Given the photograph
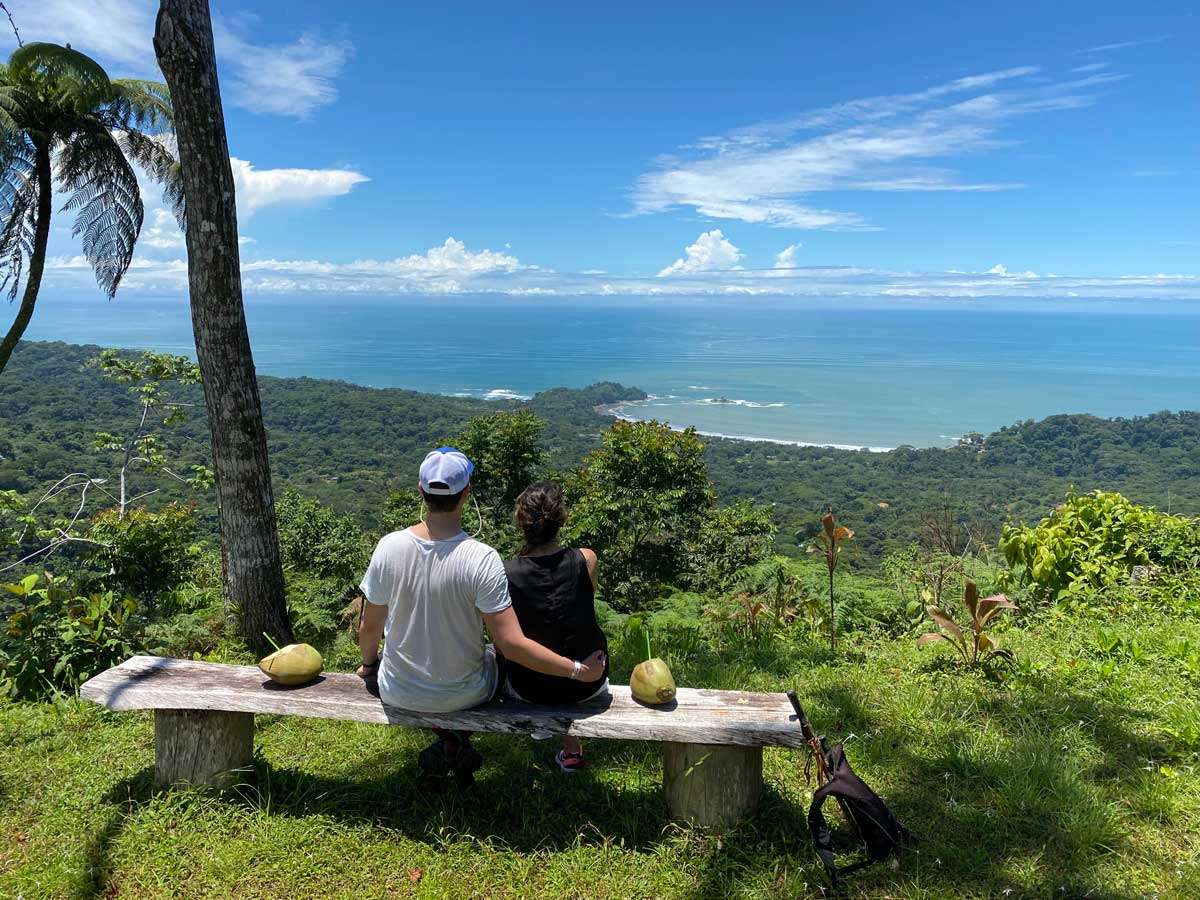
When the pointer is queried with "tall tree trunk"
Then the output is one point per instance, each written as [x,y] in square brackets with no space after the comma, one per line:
[252,569]
[37,261]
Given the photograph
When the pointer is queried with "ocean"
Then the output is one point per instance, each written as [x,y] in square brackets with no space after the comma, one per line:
[834,372]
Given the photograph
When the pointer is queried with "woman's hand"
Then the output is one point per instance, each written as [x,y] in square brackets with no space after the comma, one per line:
[592,668]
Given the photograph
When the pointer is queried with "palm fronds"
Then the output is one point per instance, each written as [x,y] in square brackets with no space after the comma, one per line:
[108,203]
[97,130]
[18,206]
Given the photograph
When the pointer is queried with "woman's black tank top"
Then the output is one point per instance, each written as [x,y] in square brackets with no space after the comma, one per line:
[554,601]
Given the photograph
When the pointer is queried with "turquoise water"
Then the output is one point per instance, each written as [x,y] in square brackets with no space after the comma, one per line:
[790,370]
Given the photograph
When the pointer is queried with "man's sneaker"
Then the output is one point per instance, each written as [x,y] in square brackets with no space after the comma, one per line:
[570,762]
[451,753]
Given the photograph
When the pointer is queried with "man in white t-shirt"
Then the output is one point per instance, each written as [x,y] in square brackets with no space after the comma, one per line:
[429,591]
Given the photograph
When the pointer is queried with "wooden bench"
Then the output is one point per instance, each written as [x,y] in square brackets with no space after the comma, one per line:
[204,726]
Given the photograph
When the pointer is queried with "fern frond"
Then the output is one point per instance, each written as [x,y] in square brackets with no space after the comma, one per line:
[104,192]
[141,105]
[18,209]
[155,156]
[75,80]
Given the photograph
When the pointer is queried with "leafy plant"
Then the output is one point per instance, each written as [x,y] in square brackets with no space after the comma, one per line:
[730,539]
[1094,541]
[146,554]
[150,379]
[315,540]
[54,639]
[976,647]
[637,502]
[829,542]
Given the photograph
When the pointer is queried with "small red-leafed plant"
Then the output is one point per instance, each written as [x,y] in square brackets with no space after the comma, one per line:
[829,543]
[973,643]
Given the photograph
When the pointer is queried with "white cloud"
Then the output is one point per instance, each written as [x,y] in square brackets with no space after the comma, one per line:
[786,258]
[119,31]
[1121,45]
[284,79]
[291,78]
[257,188]
[767,173]
[711,252]
[452,268]
[160,230]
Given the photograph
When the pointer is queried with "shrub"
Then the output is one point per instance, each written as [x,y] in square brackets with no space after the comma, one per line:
[637,502]
[317,541]
[730,539]
[1093,541]
[146,554]
[54,639]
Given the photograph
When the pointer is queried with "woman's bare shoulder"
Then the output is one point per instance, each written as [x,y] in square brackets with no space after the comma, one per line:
[589,556]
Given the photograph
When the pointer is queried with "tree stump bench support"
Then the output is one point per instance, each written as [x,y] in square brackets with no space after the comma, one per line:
[204,726]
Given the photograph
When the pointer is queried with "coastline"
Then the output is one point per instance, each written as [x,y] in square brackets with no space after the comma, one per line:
[615,411]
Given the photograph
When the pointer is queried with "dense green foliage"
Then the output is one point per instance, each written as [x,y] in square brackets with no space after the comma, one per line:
[351,446]
[1095,540]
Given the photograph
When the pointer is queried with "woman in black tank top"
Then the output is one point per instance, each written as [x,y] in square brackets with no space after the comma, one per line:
[553,593]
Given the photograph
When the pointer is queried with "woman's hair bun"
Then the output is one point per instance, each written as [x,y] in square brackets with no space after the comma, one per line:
[540,513]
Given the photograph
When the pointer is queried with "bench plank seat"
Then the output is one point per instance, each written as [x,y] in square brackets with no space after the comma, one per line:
[204,726]
[696,717]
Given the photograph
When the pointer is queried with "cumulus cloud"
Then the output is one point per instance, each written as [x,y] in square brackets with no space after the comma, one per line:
[291,78]
[769,173]
[257,188]
[447,268]
[711,252]
[786,258]
[452,268]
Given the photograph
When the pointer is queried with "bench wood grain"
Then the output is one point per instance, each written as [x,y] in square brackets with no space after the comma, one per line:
[709,719]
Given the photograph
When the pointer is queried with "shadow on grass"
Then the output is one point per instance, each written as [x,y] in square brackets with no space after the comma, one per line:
[519,799]
[1016,810]
[121,802]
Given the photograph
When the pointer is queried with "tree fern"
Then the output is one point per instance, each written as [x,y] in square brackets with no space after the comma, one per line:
[57,103]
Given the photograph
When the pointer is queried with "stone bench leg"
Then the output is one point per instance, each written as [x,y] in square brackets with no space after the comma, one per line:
[711,785]
[201,748]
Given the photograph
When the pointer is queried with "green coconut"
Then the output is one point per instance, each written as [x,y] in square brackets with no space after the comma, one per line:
[293,664]
[651,682]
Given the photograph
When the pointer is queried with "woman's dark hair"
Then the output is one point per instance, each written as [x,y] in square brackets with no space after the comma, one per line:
[540,513]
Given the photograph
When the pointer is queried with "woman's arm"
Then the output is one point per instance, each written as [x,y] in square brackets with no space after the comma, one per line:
[589,557]
[506,631]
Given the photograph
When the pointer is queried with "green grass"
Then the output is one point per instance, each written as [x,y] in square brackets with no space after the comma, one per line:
[1073,778]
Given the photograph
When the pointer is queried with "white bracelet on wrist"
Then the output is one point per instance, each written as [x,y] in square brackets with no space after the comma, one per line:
[576,671]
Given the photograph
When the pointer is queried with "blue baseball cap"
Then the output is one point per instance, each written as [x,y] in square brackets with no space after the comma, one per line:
[446,471]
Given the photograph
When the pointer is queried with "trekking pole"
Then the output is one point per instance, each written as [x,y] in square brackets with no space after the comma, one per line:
[816,748]
[820,752]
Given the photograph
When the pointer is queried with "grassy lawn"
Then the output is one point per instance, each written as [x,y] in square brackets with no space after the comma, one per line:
[1073,778]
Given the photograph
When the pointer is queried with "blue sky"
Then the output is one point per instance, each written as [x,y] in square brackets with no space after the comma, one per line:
[1021,149]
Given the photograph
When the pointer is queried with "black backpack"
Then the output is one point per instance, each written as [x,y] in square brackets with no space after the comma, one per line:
[880,830]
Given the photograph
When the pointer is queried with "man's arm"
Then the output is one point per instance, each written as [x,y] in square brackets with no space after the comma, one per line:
[512,642]
[370,633]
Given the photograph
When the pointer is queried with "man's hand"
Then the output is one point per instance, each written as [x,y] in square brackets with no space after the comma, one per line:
[593,667]
[365,671]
